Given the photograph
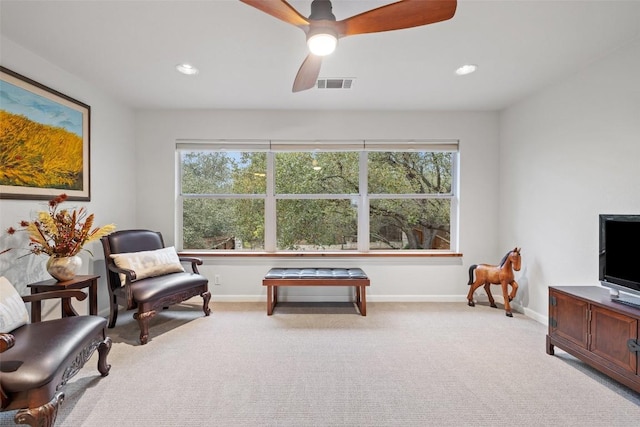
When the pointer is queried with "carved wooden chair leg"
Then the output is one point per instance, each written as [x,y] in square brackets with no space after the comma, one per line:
[206,296]
[103,350]
[143,323]
[113,312]
[42,416]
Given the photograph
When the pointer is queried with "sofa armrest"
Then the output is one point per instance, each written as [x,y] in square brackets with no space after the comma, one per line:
[194,262]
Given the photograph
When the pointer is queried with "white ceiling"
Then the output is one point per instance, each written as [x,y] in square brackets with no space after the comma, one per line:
[248,60]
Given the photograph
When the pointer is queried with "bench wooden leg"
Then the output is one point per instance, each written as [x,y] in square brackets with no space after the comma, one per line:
[272,298]
[361,298]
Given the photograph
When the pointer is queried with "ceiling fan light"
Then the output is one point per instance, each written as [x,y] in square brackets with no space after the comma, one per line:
[322,44]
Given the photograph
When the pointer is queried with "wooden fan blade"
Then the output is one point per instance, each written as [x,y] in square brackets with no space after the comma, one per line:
[395,16]
[308,73]
[279,9]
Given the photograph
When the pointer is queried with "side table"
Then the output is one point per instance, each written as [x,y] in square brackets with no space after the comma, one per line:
[78,282]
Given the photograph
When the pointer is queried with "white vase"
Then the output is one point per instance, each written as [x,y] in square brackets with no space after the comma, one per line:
[64,268]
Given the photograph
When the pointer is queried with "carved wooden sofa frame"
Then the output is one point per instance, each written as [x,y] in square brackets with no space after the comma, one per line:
[150,294]
[39,358]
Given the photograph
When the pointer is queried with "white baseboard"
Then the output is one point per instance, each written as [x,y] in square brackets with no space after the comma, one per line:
[341,298]
[382,298]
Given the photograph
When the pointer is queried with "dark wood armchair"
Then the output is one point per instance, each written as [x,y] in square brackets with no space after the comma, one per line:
[38,358]
[149,276]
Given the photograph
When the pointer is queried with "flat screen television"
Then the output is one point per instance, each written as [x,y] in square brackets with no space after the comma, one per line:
[619,259]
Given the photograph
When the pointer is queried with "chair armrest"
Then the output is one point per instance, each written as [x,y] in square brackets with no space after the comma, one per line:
[191,259]
[36,300]
[6,342]
[130,274]
[194,262]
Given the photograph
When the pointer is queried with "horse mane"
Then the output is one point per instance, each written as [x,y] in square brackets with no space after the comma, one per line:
[504,258]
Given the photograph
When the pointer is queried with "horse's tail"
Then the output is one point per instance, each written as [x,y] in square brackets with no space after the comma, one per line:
[471,269]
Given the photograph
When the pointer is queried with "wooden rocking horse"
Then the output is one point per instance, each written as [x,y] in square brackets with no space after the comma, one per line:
[502,274]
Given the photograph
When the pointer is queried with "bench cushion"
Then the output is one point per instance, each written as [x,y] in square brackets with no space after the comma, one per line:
[315,273]
[39,352]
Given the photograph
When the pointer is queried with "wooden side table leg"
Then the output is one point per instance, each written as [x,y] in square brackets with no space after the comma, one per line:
[36,308]
[363,301]
[93,297]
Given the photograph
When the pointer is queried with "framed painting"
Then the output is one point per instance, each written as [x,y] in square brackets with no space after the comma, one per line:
[44,141]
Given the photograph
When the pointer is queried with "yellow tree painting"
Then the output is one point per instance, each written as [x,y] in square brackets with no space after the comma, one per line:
[44,141]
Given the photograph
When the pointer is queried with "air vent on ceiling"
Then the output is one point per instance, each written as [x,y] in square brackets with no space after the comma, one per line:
[342,83]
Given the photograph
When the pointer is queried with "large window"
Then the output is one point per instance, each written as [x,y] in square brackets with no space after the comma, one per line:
[330,196]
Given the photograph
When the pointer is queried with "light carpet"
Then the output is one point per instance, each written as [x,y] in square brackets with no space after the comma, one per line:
[404,364]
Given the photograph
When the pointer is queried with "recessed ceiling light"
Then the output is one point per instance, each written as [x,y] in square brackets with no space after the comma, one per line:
[187,69]
[466,69]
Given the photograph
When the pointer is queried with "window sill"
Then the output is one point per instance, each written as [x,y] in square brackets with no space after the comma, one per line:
[345,254]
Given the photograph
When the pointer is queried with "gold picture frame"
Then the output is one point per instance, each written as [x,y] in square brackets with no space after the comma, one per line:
[44,141]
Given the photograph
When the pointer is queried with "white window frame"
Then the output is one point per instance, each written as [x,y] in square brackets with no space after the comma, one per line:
[270,197]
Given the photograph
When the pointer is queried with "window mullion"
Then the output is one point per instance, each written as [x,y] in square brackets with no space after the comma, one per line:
[270,206]
[363,204]
[179,212]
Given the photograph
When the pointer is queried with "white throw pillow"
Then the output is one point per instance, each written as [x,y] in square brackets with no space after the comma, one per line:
[13,312]
[149,263]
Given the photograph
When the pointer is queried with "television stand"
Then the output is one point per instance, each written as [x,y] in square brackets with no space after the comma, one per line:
[586,323]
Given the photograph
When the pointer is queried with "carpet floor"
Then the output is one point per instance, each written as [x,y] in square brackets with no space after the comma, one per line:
[316,364]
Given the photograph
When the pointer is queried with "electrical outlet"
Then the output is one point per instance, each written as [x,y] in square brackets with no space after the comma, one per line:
[216,279]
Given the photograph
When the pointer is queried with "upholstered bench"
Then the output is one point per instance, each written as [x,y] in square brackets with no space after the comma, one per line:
[316,277]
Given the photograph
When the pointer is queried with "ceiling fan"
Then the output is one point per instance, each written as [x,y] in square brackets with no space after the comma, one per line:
[322,28]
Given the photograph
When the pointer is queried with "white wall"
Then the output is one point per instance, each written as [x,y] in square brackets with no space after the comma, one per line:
[391,278]
[112,172]
[567,154]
